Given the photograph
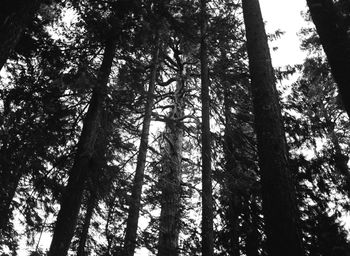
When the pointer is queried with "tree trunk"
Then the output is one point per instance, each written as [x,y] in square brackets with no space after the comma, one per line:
[135,200]
[231,170]
[170,180]
[14,17]
[207,200]
[334,38]
[67,216]
[252,239]
[88,216]
[279,203]
[9,181]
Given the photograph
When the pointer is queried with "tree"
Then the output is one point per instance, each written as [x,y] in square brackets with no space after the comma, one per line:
[279,203]
[67,216]
[135,202]
[170,178]
[333,32]
[207,200]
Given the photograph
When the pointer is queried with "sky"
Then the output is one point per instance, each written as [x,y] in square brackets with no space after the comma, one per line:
[286,16]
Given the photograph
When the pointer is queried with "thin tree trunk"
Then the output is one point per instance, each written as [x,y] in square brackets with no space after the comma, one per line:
[170,181]
[334,38]
[279,202]
[88,216]
[14,17]
[8,185]
[252,239]
[67,216]
[207,200]
[135,200]
[231,169]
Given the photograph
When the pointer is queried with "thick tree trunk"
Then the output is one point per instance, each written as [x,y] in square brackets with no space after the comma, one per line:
[279,203]
[170,180]
[207,200]
[334,38]
[135,200]
[67,216]
[88,216]
[14,17]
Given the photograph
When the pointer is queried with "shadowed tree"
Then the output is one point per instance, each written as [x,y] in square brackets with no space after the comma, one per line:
[135,201]
[207,197]
[333,32]
[279,203]
[71,201]
[170,180]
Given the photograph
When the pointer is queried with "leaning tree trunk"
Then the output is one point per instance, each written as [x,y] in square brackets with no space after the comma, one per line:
[207,200]
[135,200]
[67,216]
[279,202]
[14,17]
[170,180]
[333,34]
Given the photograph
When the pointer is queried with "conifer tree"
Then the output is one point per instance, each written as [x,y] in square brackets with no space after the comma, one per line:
[278,194]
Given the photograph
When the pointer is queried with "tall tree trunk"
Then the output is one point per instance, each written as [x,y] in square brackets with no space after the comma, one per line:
[279,202]
[207,200]
[135,200]
[170,180]
[231,170]
[67,216]
[90,206]
[14,17]
[334,38]
[97,165]
[9,180]
[252,215]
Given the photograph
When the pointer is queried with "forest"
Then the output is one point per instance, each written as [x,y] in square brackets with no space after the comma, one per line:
[161,127]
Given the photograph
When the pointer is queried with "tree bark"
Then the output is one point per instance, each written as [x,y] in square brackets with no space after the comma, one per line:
[88,216]
[279,202]
[67,216]
[9,181]
[231,170]
[14,17]
[334,38]
[252,239]
[170,180]
[207,200]
[135,200]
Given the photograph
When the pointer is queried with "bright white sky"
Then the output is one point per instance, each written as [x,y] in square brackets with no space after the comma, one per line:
[286,16]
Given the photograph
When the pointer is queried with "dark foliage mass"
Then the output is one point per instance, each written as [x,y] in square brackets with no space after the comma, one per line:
[156,127]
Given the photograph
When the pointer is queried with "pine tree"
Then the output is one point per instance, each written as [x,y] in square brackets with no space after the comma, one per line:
[333,32]
[279,203]
[67,217]
[207,200]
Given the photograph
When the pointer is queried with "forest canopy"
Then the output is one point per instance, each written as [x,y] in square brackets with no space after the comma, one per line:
[161,127]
